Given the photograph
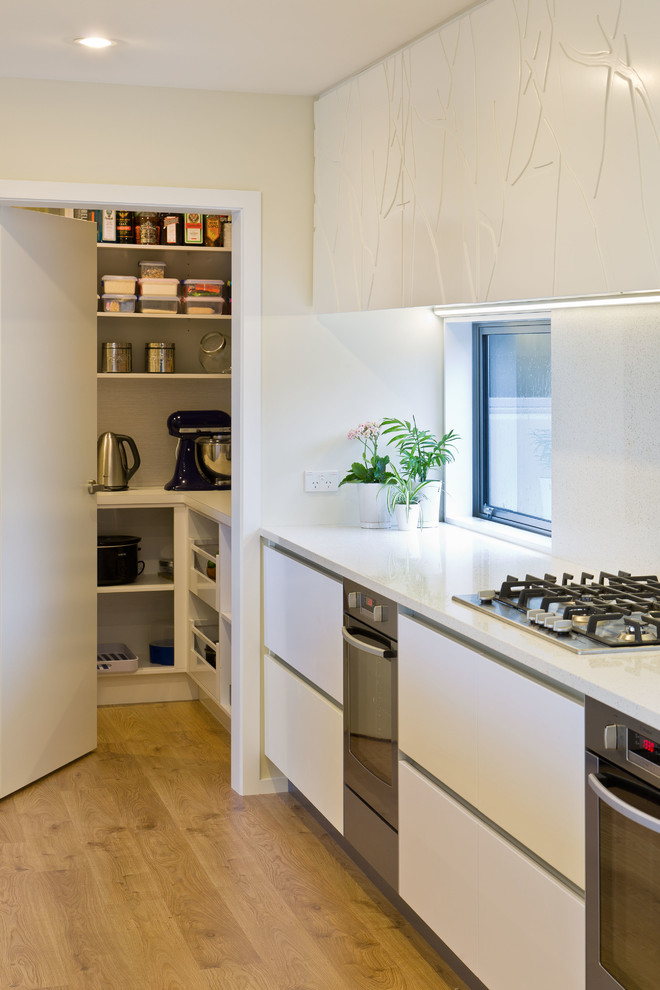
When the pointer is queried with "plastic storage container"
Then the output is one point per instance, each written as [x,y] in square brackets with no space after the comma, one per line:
[202,286]
[159,305]
[119,284]
[112,302]
[202,305]
[161,651]
[158,286]
[115,658]
[152,269]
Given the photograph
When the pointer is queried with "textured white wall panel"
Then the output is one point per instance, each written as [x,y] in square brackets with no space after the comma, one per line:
[513,153]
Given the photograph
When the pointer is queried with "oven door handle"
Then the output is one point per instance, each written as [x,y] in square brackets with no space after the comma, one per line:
[363,643]
[625,809]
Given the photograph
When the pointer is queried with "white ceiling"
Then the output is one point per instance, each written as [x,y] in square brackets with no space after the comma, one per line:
[295,47]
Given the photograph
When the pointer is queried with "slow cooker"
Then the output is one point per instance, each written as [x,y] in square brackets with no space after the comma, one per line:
[117,558]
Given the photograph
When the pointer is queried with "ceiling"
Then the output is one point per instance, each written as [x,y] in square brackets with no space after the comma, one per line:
[293,47]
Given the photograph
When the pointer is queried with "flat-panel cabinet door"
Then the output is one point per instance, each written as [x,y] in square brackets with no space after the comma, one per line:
[303,736]
[531,772]
[303,614]
[438,864]
[437,706]
[531,927]
[47,516]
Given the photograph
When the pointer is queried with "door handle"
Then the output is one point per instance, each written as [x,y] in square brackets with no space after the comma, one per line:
[622,807]
[363,643]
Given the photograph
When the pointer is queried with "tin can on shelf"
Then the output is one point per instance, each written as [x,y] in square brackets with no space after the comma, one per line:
[159,357]
[116,357]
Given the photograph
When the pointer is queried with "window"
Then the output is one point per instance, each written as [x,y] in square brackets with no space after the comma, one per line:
[512,418]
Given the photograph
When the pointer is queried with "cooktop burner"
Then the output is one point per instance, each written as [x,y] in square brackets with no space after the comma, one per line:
[589,615]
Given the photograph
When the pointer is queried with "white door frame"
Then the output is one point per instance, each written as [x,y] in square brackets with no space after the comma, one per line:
[245,207]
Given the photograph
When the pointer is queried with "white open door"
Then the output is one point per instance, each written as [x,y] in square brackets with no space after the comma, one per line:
[47,517]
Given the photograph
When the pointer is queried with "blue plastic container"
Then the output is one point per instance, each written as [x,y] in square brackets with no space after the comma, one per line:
[161,651]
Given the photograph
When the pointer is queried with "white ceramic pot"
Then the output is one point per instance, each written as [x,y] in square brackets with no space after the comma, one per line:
[431,504]
[374,513]
[407,517]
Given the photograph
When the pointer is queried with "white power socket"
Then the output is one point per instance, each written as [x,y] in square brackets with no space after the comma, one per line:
[321,481]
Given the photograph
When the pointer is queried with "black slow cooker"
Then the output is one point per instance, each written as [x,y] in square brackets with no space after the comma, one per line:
[118,559]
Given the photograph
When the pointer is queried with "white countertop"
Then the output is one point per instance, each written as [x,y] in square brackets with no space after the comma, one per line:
[216,505]
[422,570]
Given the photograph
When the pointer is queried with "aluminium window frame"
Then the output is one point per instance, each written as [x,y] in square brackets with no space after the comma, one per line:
[481,508]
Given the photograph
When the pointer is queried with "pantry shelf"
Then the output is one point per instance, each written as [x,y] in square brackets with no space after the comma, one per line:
[167,316]
[134,375]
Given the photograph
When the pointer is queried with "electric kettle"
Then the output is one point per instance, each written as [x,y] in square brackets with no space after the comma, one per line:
[112,468]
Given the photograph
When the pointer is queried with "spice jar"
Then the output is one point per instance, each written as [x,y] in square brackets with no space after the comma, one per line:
[147,228]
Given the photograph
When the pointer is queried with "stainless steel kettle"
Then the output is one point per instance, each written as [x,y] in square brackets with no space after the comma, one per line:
[112,468]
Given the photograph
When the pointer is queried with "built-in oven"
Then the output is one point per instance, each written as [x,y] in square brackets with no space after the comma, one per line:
[371,793]
[623,851]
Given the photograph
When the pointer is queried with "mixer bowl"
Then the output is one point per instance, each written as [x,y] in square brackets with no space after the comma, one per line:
[214,459]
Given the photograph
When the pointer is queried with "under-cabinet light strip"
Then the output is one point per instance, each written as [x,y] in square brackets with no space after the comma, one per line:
[536,305]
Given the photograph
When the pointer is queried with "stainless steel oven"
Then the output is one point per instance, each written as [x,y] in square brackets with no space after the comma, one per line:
[371,793]
[623,851]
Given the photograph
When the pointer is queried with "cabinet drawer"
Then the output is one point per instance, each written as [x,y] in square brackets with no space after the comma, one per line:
[438,862]
[509,921]
[303,619]
[304,739]
[437,706]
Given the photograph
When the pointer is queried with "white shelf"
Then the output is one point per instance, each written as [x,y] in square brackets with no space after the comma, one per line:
[144,375]
[167,316]
[145,582]
[114,246]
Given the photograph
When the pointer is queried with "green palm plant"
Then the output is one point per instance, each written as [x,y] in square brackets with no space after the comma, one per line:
[419,450]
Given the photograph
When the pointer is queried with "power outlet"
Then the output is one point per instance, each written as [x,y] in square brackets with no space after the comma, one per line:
[321,481]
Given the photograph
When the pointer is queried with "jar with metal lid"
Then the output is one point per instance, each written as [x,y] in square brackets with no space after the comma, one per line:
[215,353]
[159,357]
[147,228]
[116,357]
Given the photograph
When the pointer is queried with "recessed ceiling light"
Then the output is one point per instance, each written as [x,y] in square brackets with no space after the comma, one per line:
[95,42]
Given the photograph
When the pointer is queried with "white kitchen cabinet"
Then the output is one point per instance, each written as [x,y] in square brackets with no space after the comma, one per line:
[47,517]
[208,577]
[530,742]
[437,710]
[438,863]
[303,737]
[512,924]
[303,619]
[507,744]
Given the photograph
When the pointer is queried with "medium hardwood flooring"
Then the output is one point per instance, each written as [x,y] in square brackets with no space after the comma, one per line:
[138,868]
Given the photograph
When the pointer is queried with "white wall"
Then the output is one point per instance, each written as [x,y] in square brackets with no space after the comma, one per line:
[606,436]
[324,376]
[165,137]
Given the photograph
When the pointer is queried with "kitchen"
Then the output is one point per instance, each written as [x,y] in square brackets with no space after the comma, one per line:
[353,349]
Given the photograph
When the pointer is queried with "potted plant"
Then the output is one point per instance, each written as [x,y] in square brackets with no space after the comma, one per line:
[405,495]
[422,455]
[369,473]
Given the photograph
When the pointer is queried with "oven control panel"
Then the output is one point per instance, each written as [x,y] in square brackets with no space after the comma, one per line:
[371,608]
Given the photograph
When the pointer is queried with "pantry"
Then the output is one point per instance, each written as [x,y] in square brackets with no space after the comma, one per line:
[187,598]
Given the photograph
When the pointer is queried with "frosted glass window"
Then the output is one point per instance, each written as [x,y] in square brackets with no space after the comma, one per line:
[513,424]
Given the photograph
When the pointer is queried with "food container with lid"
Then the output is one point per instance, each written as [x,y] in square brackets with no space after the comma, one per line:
[114,302]
[119,284]
[158,286]
[158,305]
[202,286]
[161,651]
[202,305]
[152,269]
[159,357]
[116,357]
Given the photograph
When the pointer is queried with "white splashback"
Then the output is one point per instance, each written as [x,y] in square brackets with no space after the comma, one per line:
[512,153]
[606,436]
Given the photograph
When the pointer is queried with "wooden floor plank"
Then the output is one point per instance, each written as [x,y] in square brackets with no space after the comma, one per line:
[138,868]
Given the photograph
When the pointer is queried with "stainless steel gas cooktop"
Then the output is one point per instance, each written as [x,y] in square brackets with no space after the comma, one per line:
[613,612]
